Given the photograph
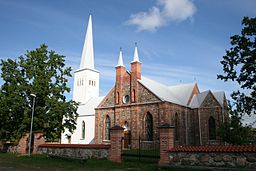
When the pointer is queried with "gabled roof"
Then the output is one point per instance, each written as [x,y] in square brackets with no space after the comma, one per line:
[198,99]
[175,94]
[89,107]
[219,95]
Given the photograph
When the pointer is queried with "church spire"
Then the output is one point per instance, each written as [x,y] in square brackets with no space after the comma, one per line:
[135,56]
[88,52]
[120,59]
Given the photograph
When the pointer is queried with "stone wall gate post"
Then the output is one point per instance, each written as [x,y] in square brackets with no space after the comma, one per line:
[23,144]
[166,142]
[38,140]
[116,134]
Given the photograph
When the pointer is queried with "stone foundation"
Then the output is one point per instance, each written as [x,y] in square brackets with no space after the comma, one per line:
[90,151]
[229,156]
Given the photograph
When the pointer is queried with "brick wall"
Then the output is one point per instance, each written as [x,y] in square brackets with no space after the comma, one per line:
[192,124]
[22,146]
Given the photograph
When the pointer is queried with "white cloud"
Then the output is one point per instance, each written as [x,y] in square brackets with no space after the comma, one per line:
[164,12]
[147,20]
[178,10]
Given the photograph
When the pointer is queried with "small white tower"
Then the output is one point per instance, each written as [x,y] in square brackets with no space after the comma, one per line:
[86,78]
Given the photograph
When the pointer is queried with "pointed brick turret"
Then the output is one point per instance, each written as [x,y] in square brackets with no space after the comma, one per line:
[120,59]
[136,64]
[135,56]
[120,72]
[135,75]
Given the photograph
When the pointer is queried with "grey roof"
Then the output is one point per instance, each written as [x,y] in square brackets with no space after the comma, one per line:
[182,91]
[178,94]
[198,99]
[89,107]
[220,96]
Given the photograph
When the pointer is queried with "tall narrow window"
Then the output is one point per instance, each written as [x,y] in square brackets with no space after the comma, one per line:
[212,128]
[117,97]
[83,130]
[133,95]
[176,127]
[107,127]
[149,127]
[89,82]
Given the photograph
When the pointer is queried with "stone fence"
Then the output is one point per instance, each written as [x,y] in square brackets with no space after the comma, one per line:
[21,147]
[170,155]
[78,151]
[214,156]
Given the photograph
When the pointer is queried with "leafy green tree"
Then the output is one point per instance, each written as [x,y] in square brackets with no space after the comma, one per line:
[12,101]
[41,72]
[233,131]
[239,65]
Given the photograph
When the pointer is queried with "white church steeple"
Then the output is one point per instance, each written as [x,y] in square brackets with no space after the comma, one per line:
[135,56]
[120,59]
[86,78]
[87,60]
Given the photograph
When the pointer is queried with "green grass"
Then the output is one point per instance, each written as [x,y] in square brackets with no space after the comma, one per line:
[143,156]
[10,162]
[153,153]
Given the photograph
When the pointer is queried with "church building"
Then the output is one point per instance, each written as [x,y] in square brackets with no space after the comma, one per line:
[141,105]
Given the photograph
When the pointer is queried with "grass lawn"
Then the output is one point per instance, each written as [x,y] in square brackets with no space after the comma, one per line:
[13,162]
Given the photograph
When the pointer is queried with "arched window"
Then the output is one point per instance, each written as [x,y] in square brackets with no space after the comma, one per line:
[117,97]
[107,127]
[149,127]
[212,128]
[133,95]
[176,122]
[83,130]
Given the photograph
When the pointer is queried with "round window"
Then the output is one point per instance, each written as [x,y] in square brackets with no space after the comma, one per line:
[126,99]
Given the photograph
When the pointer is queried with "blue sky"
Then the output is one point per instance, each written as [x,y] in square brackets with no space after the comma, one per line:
[178,40]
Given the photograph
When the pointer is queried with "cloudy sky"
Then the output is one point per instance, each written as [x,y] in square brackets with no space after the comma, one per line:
[179,41]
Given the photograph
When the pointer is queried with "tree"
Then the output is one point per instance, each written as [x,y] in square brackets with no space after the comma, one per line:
[239,65]
[233,131]
[41,72]
[12,102]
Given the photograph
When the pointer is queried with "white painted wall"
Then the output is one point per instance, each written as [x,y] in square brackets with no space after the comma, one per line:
[76,137]
[83,90]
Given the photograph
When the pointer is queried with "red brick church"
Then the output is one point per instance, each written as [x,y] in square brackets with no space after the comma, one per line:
[140,105]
